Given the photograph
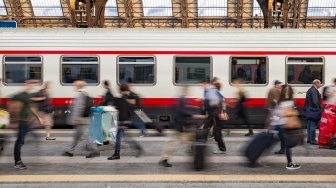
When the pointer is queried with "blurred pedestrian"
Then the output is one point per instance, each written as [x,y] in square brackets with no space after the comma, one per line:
[278,121]
[78,120]
[313,110]
[182,136]
[45,108]
[24,120]
[330,93]
[108,97]
[214,103]
[124,122]
[240,105]
[273,97]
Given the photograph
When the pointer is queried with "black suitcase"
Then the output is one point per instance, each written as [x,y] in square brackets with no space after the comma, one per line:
[199,148]
[259,144]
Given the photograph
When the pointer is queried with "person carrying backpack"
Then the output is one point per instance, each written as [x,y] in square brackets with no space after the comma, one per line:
[25,109]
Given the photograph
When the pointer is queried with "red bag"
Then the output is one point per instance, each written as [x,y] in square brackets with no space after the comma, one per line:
[327,125]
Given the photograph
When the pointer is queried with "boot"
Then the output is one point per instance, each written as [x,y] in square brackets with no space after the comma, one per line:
[250,133]
[115,156]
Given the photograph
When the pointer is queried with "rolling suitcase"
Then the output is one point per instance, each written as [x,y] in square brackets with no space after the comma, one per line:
[259,144]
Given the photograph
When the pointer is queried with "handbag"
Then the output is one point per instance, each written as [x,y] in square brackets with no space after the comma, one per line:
[223,116]
[294,137]
[143,116]
[313,114]
[293,122]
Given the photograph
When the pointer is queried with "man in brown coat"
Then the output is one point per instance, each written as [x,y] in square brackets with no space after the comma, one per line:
[272,99]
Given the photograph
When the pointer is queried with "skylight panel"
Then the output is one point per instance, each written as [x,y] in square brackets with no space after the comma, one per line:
[157,7]
[321,8]
[212,7]
[111,8]
[257,12]
[47,8]
[3,11]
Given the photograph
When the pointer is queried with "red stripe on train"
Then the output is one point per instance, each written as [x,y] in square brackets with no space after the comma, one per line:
[168,52]
[166,102]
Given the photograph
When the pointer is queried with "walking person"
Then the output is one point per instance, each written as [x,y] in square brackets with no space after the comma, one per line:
[273,97]
[278,121]
[240,106]
[330,93]
[24,120]
[78,120]
[124,121]
[214,103]
[181,136]
[108,96]
[44,106]
[313,110]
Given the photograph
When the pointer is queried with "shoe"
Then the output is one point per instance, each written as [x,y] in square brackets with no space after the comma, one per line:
[314,142]
[140,151]
[93,155]
[50,138]
[20,165]
[68,154]
[218,151]
[114,157]
[293,166]
[106,142]
[165,163]
[249,134]
[280,152]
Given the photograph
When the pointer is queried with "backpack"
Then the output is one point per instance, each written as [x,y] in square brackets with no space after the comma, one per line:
[88,104]
[14,108]
[324,91]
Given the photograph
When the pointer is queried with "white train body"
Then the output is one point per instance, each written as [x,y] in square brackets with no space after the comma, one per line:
[164,45]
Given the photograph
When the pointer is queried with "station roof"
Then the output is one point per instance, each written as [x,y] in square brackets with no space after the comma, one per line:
[172,13]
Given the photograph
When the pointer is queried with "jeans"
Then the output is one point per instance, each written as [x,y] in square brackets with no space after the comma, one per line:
[23,129]
[282,135]
[214,121]
[311,130]
[122,133]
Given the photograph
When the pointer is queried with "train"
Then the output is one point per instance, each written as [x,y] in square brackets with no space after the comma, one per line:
[156,63]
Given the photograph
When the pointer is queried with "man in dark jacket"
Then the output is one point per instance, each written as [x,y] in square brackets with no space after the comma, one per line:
[108,97]
[312,105]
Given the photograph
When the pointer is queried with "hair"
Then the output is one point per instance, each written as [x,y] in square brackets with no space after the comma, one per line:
[286,93]
[335,80]
[124,87]
[214,80]
[316,81]
[218,85]
[106,83]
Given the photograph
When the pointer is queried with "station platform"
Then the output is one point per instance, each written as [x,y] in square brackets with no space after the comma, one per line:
[48,168]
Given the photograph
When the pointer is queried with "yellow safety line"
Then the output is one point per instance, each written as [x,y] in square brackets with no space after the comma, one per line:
[167,178]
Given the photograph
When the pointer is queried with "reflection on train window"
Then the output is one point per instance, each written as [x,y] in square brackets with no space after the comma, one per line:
[303,70]
[251,70]
[85,68]
[136,70]
[17,69]
[192,70]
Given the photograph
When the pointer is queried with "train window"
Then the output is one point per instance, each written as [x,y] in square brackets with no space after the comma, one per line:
[136,70]
[251,70]
[76,67]
[17,69]
[303,70]
[192,70]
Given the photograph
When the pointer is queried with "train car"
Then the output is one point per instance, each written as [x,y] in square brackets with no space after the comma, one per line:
[157,62]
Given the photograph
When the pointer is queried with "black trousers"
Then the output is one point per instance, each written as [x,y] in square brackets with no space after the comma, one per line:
[213,121]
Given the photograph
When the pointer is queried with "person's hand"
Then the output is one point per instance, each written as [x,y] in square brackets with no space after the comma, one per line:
[199,116]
